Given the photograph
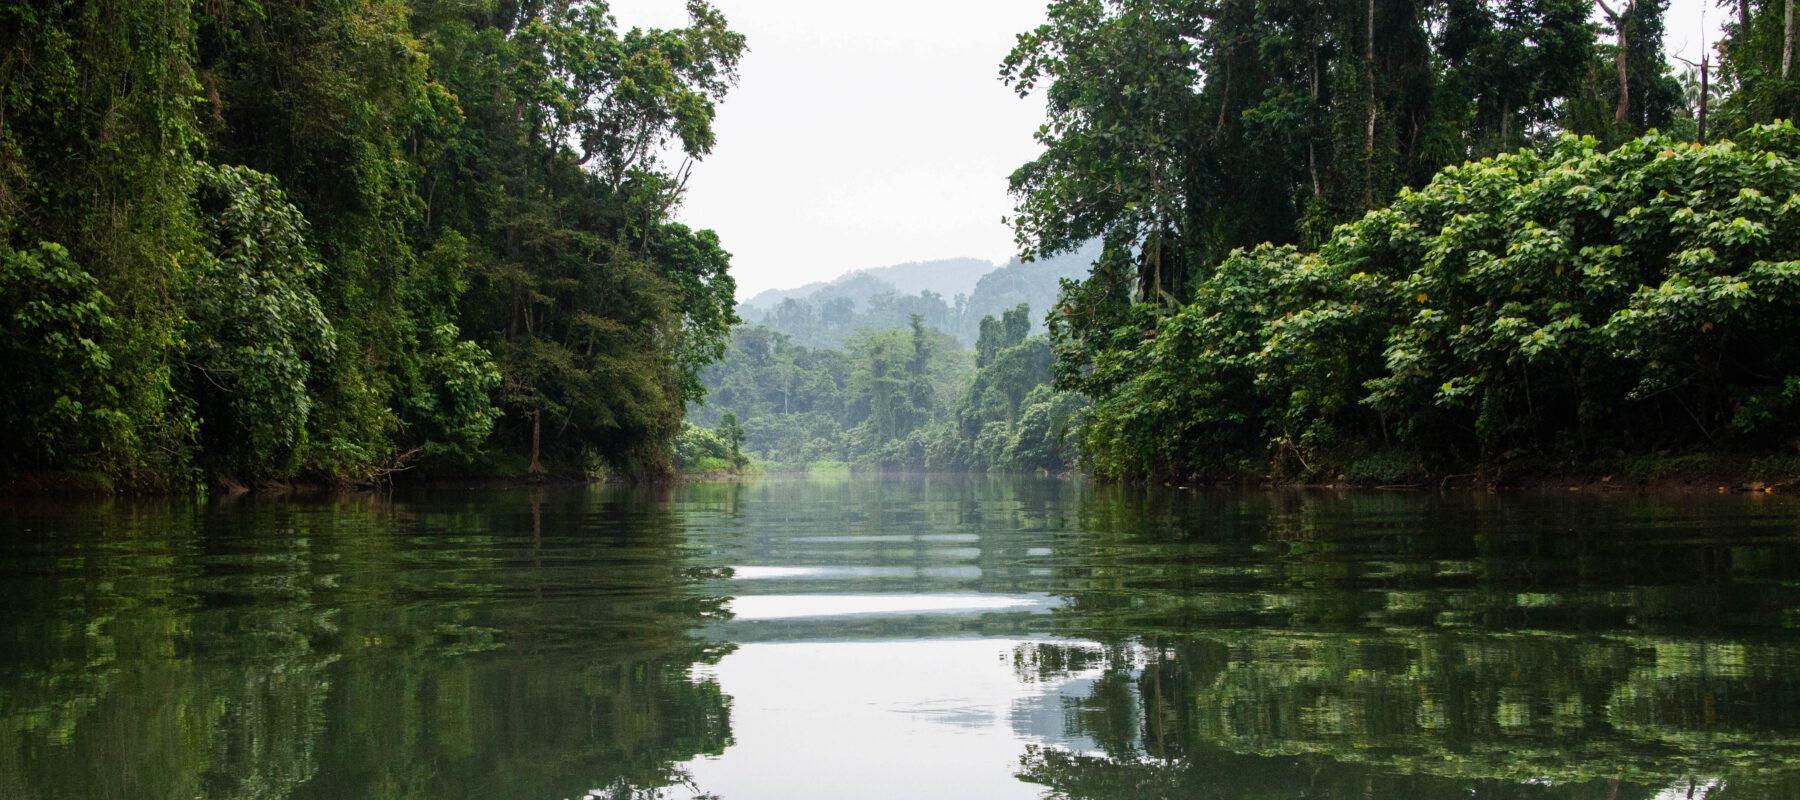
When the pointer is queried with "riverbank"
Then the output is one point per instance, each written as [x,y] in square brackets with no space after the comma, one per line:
[1652,474]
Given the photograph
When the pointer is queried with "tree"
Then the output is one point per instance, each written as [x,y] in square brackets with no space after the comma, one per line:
[1577,303]
[586,287]
[1757,62]
[1178,131]
[319,239]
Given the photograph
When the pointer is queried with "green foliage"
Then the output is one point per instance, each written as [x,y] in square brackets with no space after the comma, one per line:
[96,143]
[1178,131]
[1383,467]
[1572,304]
[456,396]
[793,401]
[1044,437]
[1750,66]
[55,320]
[698,270]
[711,450]
[902,384]
[255,334]
[899,399]
[435,215]
[596,310]
[1643,296]
[1180,134]
[1009,417]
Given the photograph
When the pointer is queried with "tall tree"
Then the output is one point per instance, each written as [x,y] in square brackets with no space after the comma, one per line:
[98,141]
[304,239]
[1622,22]
[1757,61]
[1180,130]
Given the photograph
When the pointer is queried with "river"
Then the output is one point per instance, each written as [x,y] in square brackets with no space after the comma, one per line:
[923,636]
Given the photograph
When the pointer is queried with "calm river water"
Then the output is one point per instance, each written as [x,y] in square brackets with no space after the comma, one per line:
[904,637]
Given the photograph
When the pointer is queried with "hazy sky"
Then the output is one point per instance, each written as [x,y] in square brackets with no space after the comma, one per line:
[860,134]
[867,134]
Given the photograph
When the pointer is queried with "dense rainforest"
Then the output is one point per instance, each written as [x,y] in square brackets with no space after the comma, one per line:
[1376,238]
[331,241]
[855,373]
[1372,240]
[1389,238]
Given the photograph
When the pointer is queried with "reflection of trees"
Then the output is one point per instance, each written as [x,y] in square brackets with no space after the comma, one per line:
[509,645]
[932,524]
[1218,774]
[125,676]
[1256,646]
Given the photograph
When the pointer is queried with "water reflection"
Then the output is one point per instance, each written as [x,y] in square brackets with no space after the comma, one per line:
[812,606]
[1360,646]
[949,719]
[908,637]
[498,647]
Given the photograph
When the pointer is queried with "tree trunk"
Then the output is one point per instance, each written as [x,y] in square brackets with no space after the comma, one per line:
[1787,41]
[1369,144]
[1224,96]
[1624,109]
[536,429]
[1312,165]
[1704,71]
[1312,158]
[1619,23]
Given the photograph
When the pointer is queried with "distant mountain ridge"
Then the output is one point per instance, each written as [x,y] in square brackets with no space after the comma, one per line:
[951,294]
[948,277]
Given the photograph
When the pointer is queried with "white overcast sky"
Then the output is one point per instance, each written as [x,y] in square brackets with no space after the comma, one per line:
[860,134]
[863,134]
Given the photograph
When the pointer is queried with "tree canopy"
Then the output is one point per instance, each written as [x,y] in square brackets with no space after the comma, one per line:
[334,241]
[1414,235]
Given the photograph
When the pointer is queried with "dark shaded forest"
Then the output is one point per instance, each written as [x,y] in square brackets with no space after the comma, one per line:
[1387,239]
[334,241]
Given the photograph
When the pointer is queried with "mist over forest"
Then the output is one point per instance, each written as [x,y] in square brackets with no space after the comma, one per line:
[953,295]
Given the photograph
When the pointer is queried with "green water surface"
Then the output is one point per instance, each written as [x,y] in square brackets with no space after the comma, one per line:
[931,636]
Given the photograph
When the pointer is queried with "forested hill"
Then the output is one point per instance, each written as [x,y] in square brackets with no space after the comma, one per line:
[952,296]
[910,398]
[332,241]
[948,277]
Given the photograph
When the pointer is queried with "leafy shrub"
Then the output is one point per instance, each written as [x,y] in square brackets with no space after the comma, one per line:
[708,450]
[255,334]
[457,395]
[1578,301]
[1383,466]
[53,322]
